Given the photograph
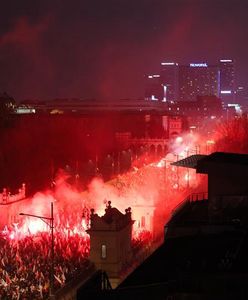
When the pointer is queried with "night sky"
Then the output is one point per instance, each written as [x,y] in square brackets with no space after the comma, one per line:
[102,48]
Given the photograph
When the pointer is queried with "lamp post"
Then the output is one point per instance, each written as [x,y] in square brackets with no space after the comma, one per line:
[50,222]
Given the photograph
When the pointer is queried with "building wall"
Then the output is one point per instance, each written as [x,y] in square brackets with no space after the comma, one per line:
[118,249]
[175,126]
[227,80]
[226,180]
[169,79]
[198,80]
[153,88]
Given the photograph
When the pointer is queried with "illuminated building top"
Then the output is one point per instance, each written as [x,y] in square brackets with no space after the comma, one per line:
[153,76]
[169,64]
[198,65]
[226,60]
[225,92]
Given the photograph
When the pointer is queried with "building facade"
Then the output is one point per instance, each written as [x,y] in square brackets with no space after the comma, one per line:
[154,90]
[198,79]
[227,80]
[169,80]
[177,82]
[110,241]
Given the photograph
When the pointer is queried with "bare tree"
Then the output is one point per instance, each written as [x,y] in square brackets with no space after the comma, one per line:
[232,136]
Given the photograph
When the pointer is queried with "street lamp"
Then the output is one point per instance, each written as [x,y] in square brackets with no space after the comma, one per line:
[49,221]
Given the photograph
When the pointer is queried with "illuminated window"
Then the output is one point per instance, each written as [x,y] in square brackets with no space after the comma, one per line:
[104,251]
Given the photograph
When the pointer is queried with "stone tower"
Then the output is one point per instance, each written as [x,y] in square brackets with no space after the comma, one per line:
[110,241]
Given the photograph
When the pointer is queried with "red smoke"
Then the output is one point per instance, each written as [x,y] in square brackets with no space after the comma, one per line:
[24,34]
[151,191]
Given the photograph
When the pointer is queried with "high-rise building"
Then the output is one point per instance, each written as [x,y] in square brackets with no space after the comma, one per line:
[198,79]
[186,82]
[169,80]
[227,83]
[153,88]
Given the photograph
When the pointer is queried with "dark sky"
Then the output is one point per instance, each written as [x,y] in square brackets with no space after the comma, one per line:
[102,48]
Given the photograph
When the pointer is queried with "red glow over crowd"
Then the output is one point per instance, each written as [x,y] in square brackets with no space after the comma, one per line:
[152,192]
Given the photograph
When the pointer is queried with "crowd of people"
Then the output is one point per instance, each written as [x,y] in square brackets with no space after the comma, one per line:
[25,261]
[25,264]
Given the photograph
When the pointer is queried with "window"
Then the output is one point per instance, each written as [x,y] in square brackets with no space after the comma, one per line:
[104,251]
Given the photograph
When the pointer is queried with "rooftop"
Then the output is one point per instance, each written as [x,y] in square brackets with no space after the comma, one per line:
[226,158]
[189,162]
[112,220]
[195,161]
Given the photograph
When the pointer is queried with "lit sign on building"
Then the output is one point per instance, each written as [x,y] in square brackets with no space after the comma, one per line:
[225,60]
[153,76]
[168,64]
[225,92]
[25,111]
[198,65]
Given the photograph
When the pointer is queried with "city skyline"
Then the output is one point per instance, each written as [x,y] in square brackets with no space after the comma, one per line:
[184,82]
[91,49]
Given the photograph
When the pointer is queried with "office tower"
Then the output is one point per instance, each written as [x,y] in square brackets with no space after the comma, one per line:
[153,88]
[227,85]
[198,79]
[169,80]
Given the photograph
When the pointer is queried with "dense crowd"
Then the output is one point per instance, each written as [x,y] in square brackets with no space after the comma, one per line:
[25,263]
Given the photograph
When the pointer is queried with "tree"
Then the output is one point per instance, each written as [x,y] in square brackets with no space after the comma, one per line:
[232,136]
